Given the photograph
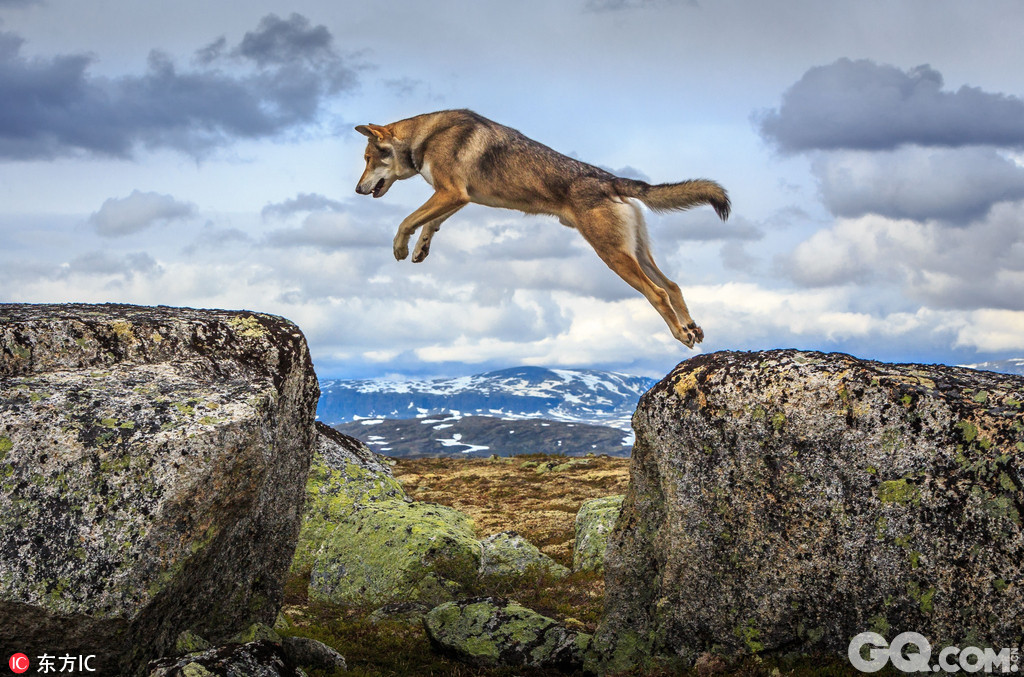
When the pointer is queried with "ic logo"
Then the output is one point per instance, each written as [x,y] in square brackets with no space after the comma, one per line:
[18,663]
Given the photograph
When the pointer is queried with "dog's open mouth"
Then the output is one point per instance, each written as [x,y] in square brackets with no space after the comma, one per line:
[378,188]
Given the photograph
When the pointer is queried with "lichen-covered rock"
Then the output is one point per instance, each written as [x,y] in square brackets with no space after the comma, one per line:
[508,554]
[153,463]
[310,653]
[786,501]
[344,475]
[254,659]
[490,631]
[594,522]
[365,543]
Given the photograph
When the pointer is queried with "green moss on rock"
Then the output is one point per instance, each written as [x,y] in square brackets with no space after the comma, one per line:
[491,631]
[594,522]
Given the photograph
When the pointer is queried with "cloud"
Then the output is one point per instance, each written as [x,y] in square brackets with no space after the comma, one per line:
[275,81]
[303,202]
[104,263]
[620,5]
[704,226]
[863,105]
[139,211]
[943,268]
[956,185]
[328,232]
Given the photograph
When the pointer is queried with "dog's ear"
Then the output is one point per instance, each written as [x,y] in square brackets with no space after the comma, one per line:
[374,132]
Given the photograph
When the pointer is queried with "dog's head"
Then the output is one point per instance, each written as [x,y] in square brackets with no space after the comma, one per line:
[383,167]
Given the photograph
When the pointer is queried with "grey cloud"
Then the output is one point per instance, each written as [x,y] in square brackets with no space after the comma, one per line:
[280,41]
[954,185]
[54,107]
[106,263]
[704,226]
[303,202]
[868,106]
[620,5]
[329,232]
[127,215]
[944,268]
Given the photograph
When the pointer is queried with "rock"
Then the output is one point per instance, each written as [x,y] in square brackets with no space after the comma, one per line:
[594,522]
[152,471]
[401,612]
[507,555]
[785,501]
[309,653]
[343,475]
[190,642]
[255,659]
[490,631]
[365,542]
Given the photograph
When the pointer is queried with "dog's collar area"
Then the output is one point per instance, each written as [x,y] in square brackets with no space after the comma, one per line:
[411,159]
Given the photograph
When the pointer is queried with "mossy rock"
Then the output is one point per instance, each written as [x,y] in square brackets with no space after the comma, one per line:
[594,522]
[491,631]
[783,502]
[365,543]
[152,475]
[509,555]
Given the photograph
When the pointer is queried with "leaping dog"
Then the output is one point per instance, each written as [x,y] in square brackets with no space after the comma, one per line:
[468,158]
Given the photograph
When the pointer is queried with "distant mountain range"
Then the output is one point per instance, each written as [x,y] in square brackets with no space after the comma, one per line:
[1014,365]
[511,411]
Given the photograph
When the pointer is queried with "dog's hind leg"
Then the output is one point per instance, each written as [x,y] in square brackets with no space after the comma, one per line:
[611,233]
[646,261]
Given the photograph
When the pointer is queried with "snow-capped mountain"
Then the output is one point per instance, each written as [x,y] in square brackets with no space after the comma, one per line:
[1014,365]
[568,395]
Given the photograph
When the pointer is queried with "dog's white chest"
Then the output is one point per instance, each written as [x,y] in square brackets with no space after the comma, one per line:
[425,173]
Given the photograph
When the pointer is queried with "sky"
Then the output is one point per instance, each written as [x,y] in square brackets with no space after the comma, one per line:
[203,154]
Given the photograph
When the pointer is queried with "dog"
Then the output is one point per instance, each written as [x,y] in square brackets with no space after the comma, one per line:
[467,158]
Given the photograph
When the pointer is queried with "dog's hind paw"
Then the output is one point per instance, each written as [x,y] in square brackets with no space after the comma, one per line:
[420,253]
[691,335]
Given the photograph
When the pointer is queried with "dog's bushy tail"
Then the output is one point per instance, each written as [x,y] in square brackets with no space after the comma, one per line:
[665,197]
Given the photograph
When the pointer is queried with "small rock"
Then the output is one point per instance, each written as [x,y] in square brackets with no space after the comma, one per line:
[509,554]
[190,642]
[255,659]
[310,653]
[594,522]
[490,631]
[408,612]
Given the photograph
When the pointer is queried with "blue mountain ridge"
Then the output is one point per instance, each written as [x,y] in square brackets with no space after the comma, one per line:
[569,395]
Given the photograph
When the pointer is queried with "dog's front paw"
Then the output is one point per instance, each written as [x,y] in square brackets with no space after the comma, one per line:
[401,250]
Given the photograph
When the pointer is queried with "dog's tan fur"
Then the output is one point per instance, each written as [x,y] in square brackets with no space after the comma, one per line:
[468,158]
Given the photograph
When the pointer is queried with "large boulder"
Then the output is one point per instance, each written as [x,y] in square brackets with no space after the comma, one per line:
[364,542]
[153,464]
[786,501]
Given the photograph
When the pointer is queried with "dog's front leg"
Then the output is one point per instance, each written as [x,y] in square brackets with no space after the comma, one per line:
[441,205]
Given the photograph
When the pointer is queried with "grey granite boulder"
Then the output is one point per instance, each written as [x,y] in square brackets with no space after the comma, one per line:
[594,523]
[491,631]
[785,502]
[153,464]
[508,554]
